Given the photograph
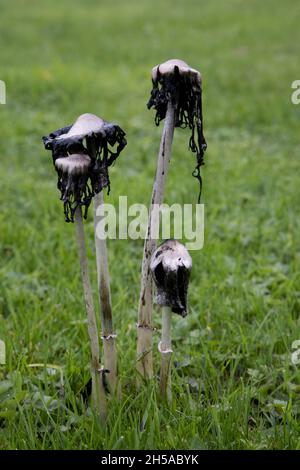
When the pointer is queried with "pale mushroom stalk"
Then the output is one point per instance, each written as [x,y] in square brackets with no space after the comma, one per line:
[108,335]
[145,327]
[98,390]
[165,348]
[170,266]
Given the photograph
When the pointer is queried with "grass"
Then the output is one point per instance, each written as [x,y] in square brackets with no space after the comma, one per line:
[235,386]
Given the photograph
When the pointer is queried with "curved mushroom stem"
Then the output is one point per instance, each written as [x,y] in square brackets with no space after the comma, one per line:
[98,391]
[108,335]
[145,329]
[164,348]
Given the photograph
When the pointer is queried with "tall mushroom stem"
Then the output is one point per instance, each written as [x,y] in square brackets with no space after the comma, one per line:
[165,348]
[98,391]
[108,335]
[145,328]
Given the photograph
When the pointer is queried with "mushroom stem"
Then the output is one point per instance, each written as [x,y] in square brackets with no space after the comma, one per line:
[166,354]
[145,329]
[108,335]
[98,391]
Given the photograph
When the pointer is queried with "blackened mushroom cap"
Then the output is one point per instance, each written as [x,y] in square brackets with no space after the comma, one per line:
[174,81]
[171,265]
[71,139]
[73,176]
[95,138]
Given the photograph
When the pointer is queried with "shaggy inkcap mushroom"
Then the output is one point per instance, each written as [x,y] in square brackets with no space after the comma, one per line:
[171,265]
[174,80]
[78,182]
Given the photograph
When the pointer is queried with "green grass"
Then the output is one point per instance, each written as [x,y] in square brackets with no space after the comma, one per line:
[235,386]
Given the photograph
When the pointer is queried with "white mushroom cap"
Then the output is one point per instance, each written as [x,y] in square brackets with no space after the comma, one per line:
[168,68]
[171,254]
[85,124]
[75,164]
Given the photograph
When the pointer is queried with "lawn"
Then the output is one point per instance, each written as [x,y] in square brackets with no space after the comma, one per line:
[235,385]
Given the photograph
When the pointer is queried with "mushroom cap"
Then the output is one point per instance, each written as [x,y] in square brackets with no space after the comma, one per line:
[171,265]
[86,124]
[171,254]
[75,164]
[168,68]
